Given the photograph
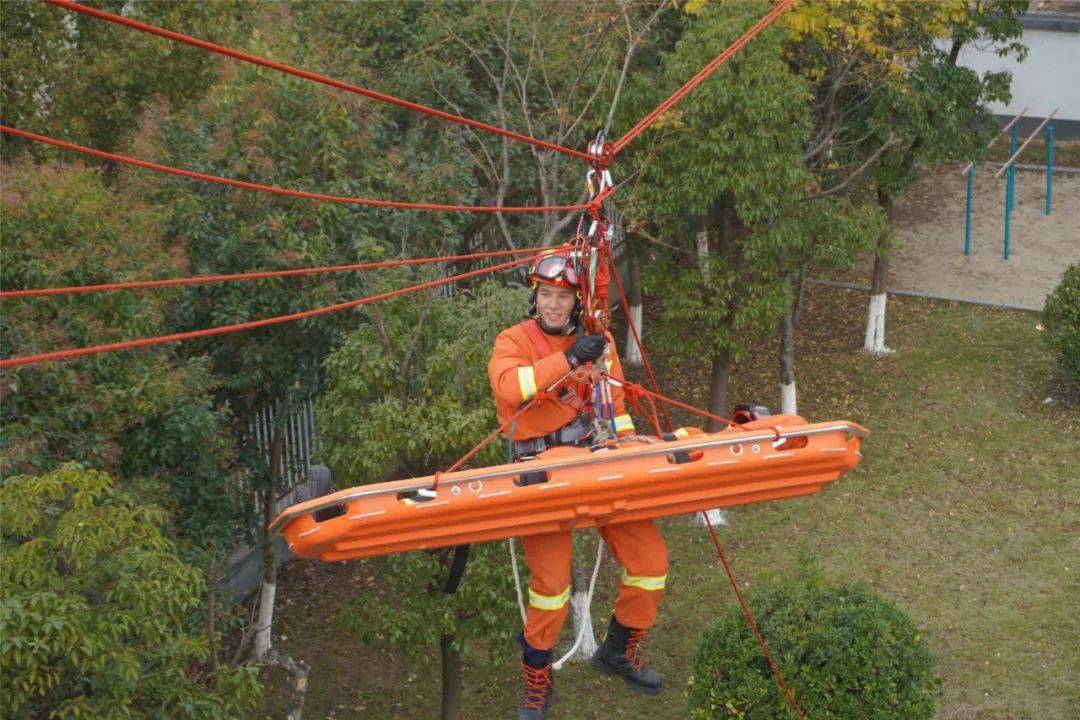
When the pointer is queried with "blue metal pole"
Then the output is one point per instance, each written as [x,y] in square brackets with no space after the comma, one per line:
[1010,190]
[967,211]
[1011,197]
[1049,168]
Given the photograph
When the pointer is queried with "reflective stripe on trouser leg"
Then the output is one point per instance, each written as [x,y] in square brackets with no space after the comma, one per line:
[549,602]
[640,549]
[548,557]
[644,582]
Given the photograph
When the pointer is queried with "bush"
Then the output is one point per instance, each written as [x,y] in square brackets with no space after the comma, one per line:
[98,615]
[1061,316]
[846,653]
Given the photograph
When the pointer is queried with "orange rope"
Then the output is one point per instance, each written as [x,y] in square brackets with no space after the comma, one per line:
[273,190]
[221,330]
[322,79]
[212,279]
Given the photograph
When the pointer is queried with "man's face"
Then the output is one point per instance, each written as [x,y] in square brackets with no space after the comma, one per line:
[554,304]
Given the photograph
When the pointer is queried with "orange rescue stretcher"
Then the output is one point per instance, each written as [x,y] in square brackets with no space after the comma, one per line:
[566,488]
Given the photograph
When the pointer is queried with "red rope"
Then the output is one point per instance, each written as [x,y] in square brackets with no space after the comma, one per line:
[753,625]
[212,279]
[278,190]
[221,330]
[634,387]
[323,79]
[637,338]
[705,72]
[494,433]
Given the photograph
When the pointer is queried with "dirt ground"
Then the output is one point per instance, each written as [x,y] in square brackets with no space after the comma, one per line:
[929,241]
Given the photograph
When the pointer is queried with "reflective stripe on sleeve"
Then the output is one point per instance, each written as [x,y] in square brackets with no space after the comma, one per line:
[643,582]
[549,602]
[623,422]
[527,382]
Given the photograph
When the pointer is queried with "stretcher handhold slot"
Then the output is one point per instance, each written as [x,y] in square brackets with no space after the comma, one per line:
[329,513]
[531,478]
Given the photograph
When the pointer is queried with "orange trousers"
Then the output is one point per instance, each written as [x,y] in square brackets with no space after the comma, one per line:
[639,548]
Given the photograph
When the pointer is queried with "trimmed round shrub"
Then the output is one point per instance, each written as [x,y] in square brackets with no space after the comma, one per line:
[846,653]
[1061,317]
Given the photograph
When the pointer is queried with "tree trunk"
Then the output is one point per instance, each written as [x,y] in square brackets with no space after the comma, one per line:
[702,240]
[211,613]
[788,402]
[788,397]
[633,293]
[269,558]
[874,341]
[451,679]
[718,383]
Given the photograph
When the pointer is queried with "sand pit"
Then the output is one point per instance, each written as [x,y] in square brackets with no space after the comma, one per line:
[929,242]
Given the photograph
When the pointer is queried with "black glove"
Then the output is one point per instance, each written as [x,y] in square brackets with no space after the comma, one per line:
[585,349]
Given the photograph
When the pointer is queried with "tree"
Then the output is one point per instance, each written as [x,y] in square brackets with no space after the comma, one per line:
[88,81]
[890,92]
[1061,316]
[285,131]
[96,608]
[143,415]
[725,168]
[823,233]
[407,394]
[845,652]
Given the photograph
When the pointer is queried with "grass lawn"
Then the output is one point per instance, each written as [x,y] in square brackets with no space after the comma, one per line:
[965,512]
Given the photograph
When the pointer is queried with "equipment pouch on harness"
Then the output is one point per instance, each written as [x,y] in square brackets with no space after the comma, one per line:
[574,433]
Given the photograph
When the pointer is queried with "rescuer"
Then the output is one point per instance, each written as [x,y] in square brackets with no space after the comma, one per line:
[527,358]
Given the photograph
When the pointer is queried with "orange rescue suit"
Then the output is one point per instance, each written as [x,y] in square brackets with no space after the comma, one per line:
[518,370]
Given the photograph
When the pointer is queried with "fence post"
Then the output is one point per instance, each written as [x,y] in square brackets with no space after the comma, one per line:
[1010,190]
[1012,151]
[1049,168]
[968,210]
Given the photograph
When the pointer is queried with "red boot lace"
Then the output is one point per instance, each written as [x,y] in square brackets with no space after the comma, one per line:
[632,654]
[537,684]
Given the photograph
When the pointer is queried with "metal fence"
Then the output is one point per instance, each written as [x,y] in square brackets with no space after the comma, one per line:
[297,450]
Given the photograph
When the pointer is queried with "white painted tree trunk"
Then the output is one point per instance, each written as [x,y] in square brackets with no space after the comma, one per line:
[702,248]
[788,403]
[633,354]
[874,342]
[265,621]
[716,517]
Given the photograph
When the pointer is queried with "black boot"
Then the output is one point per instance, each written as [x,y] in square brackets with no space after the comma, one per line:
[539,682]
[619,655]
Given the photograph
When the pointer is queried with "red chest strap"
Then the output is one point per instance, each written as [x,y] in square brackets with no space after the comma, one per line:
[576,398]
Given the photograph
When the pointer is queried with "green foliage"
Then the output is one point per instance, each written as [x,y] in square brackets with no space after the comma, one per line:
[81,79]
[139,414]
[96,609]
[940,111]
[845,652]
[739,134]
[408,394]
[727,161]
[415,614]
[279,130]
[825,234]
[1061,316]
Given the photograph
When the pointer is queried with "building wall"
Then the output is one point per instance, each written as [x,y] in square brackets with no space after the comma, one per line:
[1048,77]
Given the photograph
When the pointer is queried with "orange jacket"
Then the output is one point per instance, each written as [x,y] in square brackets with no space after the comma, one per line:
[517,371]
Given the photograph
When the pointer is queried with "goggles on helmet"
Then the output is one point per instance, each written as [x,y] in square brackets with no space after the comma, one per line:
[554,270]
